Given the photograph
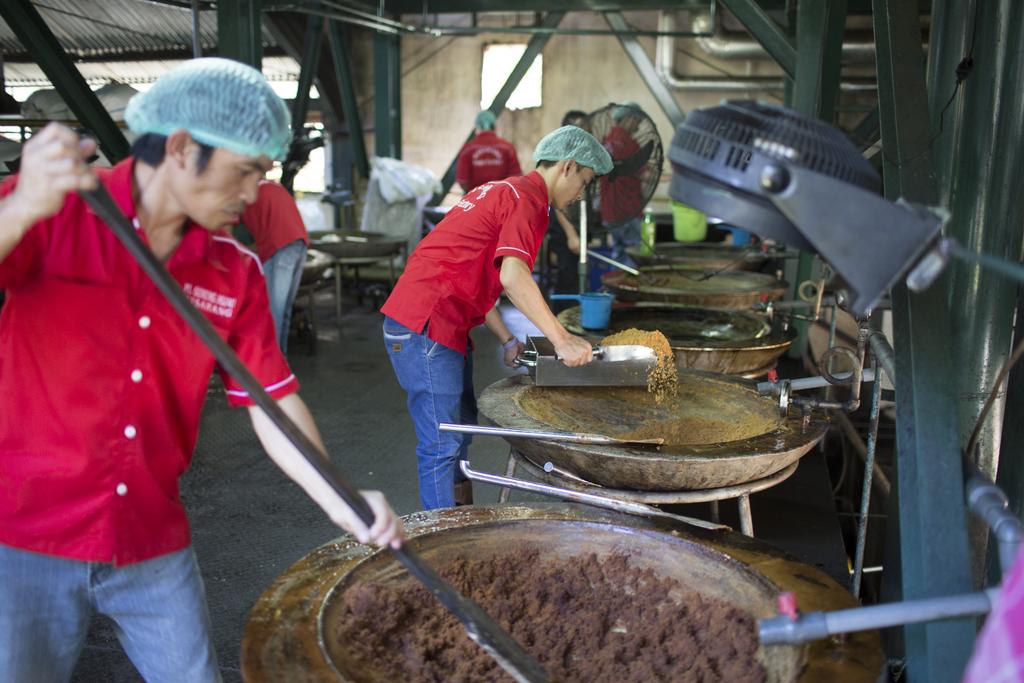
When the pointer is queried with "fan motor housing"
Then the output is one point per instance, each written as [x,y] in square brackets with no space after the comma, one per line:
[725,158]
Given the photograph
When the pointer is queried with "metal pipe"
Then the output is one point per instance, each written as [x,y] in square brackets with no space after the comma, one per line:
[665,57]
[865,492]
[786,630]
[197,48]
[884,355]
[714,42]
[818,382]
[988,502]
[586,498]
[853,402]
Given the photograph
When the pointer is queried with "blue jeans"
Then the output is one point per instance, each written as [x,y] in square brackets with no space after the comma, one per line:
[283,272]
[438,384]
[158,607]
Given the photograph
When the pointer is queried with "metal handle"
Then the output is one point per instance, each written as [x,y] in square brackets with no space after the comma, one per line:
[613,262]
[571,437]
[585,498]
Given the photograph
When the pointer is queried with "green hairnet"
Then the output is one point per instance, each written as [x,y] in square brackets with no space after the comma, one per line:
[626,109]
[574,144]
[485,120]
[220,102]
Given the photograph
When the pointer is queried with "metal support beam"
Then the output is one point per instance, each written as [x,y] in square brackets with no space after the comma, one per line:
[645,67]
[533,48]
[387,87]
[765,31]
[866,133]
[239,34]
[347,88]
[307,69]
[37,37]
[819,40]
[929,488]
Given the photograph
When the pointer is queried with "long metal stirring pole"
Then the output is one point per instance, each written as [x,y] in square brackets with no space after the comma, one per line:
[582,275]
[481,628]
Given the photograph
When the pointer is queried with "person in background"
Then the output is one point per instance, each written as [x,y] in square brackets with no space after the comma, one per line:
[621,192]
[281,243]
[486,157]
[100,412]
[563,239]
[485,245]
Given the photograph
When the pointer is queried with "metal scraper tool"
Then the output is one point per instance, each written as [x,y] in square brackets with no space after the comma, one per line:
[615,366]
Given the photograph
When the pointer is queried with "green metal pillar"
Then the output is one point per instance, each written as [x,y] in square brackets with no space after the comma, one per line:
[983,193]
[349,106]
[387,87]
[239,31]
[40,42]
[819,41]
[928,495]
[987,215]
[766,31]
[533,48]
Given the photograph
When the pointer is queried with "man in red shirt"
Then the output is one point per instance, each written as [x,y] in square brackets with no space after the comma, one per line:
[622,198]
[281,242]
[485,245]
[486,157]
[103,383]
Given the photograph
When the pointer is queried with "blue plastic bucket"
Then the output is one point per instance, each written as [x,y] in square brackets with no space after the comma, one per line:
[595,308]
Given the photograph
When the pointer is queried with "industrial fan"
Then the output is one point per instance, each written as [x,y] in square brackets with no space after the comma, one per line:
[632,139]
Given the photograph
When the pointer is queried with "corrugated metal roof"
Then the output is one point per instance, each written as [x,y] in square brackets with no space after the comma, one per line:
[132,72]
[112,28]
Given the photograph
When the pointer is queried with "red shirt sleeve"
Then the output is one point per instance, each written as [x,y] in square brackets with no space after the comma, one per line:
[253,339]
[518,234]
[24,259]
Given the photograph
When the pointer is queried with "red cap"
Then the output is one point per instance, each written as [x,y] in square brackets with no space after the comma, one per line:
[773,375]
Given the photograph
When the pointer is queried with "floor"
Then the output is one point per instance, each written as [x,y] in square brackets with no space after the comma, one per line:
[250,523]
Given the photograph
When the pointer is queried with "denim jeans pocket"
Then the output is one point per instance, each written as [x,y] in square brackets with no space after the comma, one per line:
[394,331]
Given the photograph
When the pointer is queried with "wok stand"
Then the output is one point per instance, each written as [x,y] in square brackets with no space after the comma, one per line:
[567,485]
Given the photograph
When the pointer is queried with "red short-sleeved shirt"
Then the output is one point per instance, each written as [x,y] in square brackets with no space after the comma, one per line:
[486,158]
[452,278]
[102,383]
[622,198]
[274,220]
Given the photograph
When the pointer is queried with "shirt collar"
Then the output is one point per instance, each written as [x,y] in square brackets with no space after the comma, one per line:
[195,241]
[537,181]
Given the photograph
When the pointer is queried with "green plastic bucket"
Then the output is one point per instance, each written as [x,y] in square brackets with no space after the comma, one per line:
[688,225]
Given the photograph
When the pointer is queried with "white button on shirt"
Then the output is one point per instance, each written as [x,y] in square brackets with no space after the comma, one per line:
[136,375]
[144,321]
[130,431]
[121,489]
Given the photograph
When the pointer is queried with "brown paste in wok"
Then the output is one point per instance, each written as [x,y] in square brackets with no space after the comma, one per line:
[583,618]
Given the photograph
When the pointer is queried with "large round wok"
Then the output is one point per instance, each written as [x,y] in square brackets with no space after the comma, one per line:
[731,342]
[701,256]
[289,636]
[341,244]
[719,431]
[316,263]
[734,289]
